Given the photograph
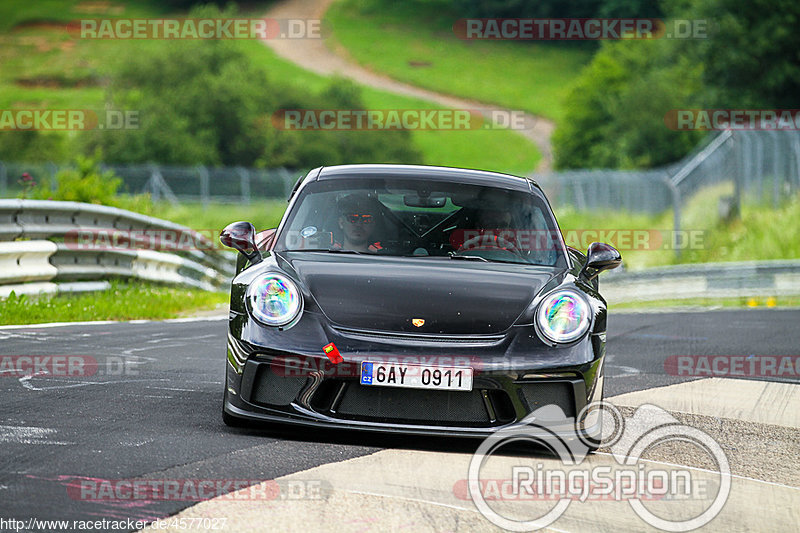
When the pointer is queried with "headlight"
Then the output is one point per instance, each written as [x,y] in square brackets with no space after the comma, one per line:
[563,316]
[274,299]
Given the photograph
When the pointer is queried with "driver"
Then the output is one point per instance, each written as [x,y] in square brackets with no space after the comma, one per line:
[358,218]
[494,219]
[494,231]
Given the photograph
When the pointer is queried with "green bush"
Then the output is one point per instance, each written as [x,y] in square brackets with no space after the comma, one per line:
[87,182]
[33,146]
[205,102]
[559,8]
[615,110]
[752,58]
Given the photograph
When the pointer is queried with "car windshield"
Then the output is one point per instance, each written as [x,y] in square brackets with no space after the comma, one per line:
[421,218]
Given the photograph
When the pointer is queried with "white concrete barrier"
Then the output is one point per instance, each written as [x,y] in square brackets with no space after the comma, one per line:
[26,261]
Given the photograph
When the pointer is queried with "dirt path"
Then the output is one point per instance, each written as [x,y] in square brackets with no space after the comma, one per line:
[314,55]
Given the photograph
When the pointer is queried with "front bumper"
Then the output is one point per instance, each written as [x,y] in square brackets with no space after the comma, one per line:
[287,386]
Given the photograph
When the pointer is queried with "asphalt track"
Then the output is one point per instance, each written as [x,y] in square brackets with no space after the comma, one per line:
[151,410]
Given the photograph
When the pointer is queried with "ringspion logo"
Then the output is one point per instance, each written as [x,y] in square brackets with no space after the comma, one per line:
[548,488]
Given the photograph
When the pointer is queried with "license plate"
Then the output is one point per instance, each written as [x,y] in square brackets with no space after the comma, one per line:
[416,376]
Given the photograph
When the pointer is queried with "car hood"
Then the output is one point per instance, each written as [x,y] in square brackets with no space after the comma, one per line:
[386,293]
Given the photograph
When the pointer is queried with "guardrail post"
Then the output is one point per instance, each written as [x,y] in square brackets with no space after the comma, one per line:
[676,213]
[776,180]
[795,148]
[757,166]
[203,172]
[53,169]
[288,185]
[245,184]
[152,185]
[738,175]
[3,179]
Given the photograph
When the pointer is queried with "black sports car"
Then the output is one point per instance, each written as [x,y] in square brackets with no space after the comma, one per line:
[413,299]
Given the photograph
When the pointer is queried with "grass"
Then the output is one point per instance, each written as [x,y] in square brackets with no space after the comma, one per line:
[123,301]
[414,42]
[263,214]
[716,303]
[42,66]
[761,233]
[499,150]
[16,12]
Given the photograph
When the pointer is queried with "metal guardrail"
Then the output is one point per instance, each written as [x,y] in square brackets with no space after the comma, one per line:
[37,263]
[704,281]
[44,255]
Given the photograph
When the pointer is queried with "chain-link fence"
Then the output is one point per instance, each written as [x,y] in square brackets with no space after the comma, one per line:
[763,166]
[172,183]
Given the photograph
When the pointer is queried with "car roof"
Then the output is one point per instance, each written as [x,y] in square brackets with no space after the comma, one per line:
[449,174]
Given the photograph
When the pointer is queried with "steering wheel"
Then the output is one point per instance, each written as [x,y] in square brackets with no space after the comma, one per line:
[489,241]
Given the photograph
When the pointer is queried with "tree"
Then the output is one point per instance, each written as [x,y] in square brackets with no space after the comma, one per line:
[207,102]
[615,111]
[752,57]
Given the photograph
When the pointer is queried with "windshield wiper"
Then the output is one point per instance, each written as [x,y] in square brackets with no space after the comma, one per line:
[454,255]
[468,257]
[328,250]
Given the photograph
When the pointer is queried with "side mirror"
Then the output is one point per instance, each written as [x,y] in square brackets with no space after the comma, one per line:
[600,257]
[242,237]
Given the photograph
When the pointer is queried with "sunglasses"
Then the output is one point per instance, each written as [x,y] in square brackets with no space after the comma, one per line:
[359,219]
